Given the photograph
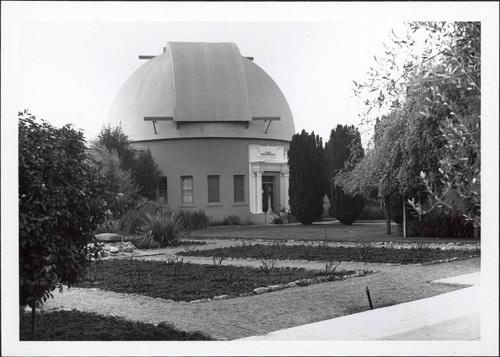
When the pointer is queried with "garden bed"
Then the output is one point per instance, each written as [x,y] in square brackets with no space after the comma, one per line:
[180,281]
[83,326]
[419,253]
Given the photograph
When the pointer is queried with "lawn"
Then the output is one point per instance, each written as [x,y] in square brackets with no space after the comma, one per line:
[180,281]
[83,326]
[420,253]
[372,231]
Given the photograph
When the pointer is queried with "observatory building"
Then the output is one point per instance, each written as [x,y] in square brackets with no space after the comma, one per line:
[217,125]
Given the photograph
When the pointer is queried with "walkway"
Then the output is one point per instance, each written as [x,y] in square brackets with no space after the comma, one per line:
[451,316]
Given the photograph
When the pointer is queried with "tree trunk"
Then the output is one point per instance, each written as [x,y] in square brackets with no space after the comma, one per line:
[388,213]
[33,319]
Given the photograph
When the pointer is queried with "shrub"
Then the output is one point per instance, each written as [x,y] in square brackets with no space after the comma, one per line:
[110,225]
[231,220]
[163,226]
[193,220]
[372,211]
[344,207]
[441,224]
[61,200]
[143,242]
[277,220]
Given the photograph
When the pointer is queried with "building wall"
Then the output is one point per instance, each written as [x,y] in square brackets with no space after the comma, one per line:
[202,157]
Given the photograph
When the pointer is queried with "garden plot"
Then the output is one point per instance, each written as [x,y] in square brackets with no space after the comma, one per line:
[366,252]
[179,280]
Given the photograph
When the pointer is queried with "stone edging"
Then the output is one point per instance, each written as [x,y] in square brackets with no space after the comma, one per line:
[276,287]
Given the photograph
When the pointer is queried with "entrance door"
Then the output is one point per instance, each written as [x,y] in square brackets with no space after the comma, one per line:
[267,192]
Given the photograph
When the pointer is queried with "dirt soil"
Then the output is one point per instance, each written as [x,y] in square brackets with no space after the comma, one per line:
[259,314]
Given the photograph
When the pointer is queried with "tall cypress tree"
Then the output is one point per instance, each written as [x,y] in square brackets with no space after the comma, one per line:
[342,152]
[307,177]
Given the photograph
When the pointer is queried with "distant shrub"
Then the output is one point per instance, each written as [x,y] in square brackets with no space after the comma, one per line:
[163,226]
[194,220]
[131,221]
[277,220]
[231,220]
[372,211]
[440,224]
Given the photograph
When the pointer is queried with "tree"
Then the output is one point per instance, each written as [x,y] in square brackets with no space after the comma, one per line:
[115,139]
[146,174]
[60,204]
[122,191]
[307,177]
[442,60]
[342,152]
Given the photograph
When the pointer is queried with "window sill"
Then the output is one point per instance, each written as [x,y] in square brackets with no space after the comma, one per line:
[215,204]
[187,206]
[240,204]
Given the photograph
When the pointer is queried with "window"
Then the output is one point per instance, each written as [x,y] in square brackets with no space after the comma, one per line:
[187,190]
[239,191]
[213,188]
[162,190]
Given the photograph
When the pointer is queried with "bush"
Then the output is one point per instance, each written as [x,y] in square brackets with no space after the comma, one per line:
[440,224]
[163,226]
[193,220]
[61,201]
[277,220]
[110,225]
[231,220]
[344,207]
[372,211]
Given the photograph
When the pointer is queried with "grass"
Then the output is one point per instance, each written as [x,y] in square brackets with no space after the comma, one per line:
[368,231]
[362,253]
[181,281]
[82,326]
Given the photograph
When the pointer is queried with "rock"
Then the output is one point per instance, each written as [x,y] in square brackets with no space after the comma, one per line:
[109,237]
[291,284]
[276,287]
[114,250]
[126,249]
[221,297]
[259,290]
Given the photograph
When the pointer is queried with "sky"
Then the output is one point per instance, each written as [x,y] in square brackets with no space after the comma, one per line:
[66,61]
[70,71]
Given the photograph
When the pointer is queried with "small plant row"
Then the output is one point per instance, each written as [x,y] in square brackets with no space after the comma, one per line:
[179,280]
[420,253]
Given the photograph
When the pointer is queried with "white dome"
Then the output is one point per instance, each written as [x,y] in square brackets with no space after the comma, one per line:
[201,90]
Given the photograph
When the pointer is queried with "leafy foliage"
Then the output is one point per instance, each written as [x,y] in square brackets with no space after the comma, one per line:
[146,174]
[121,188]
[307,177]
[163,226]
[115,140]
[61,200]
[342,152]
[427,86]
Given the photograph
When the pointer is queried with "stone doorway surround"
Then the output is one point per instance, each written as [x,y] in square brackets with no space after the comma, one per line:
[267,159]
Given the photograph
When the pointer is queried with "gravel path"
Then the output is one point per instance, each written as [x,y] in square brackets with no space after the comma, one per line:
[259,314]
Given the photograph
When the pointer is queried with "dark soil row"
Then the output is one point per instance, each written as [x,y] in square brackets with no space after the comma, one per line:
[363,253]
[82,326]
[181,281]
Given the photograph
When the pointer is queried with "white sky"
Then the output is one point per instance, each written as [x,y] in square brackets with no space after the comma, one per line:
[66,62]
[74,69]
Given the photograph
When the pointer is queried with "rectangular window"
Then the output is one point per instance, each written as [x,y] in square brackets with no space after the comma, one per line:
[213,188]
[162,190]
[239,191]
[187,190]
